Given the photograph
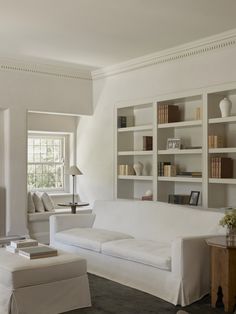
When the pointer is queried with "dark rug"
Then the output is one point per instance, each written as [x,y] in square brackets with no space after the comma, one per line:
[113,298]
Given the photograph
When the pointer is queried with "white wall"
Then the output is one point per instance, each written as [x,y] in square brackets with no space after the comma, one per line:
[22,91]
[95,134]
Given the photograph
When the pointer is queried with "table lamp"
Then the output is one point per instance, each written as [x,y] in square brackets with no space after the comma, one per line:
[74,171]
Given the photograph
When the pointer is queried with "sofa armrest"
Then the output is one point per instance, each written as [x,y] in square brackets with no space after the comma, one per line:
[191,264]
[68,221]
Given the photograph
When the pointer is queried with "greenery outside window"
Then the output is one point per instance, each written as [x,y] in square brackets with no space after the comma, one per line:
[46,162]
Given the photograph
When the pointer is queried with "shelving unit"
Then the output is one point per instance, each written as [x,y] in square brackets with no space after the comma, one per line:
[193,156]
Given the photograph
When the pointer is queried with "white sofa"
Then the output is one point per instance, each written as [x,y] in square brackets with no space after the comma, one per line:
[156,247]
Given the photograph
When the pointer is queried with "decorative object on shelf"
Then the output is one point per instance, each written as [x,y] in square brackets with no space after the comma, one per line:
[173,143]
[229,221]
[225,107]
[194,197]
[74,171]
[148,193]
[138,168]
[148,196]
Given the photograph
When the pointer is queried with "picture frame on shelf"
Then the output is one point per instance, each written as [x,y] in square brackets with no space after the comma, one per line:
[194,197]
[173,143]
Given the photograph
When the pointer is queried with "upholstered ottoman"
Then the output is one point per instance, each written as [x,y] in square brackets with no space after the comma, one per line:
[42,286]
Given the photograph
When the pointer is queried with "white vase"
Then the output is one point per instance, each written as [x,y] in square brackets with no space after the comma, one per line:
[138,168]
[225,107]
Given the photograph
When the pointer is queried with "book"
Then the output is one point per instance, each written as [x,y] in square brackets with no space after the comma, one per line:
[38,252]
[11,249]
[147,142]
[24,243]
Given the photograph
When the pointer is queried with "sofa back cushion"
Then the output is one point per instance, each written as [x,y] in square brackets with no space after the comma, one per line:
[155,220]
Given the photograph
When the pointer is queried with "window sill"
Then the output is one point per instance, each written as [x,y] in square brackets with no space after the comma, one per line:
[55,194]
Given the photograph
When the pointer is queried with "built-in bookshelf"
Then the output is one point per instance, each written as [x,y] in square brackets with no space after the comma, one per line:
[189,138]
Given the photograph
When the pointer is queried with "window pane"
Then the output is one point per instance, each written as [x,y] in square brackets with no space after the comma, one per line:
[46,162]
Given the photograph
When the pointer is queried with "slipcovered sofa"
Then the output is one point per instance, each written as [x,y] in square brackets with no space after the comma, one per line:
[155,247]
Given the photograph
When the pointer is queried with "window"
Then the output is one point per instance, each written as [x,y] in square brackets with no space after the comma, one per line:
[46,162]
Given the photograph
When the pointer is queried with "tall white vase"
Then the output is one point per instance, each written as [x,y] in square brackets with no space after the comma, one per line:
[138,168]
[225,107]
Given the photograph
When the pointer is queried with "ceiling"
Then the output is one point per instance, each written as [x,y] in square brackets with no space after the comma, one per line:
[98,33]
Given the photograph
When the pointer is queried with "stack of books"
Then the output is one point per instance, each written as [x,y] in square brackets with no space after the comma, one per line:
[31,249]
[125,121]
[161,167]
[221,167]
[147,142]
[168,113]
[38,252]
[125,170]
[196,174]
[215,141]
[19,244]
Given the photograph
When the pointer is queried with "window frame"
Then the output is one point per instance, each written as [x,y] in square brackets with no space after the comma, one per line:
[66,150]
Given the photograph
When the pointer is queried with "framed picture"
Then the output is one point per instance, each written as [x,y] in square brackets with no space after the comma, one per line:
[194,197]
[173,143]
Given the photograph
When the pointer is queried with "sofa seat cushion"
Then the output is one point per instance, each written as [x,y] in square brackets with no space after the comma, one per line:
[148,252]
[89,238]
[17,271]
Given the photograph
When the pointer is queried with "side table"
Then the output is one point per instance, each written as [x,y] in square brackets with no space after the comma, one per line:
[73,206]
[223,271]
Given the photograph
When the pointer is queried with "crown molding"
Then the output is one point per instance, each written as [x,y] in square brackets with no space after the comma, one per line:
[195,48]
[62,70]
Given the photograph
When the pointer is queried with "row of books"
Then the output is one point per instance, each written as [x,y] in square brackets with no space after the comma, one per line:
[126,170]
[31,249]
[166,169]
[147,142]
[178,199]
[221,167]
[168,113]
[215,141]
[125,121]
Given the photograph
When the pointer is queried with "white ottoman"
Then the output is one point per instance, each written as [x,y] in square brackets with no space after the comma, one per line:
[42,286]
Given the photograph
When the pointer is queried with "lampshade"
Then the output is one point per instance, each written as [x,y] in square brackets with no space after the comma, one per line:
[74,171]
